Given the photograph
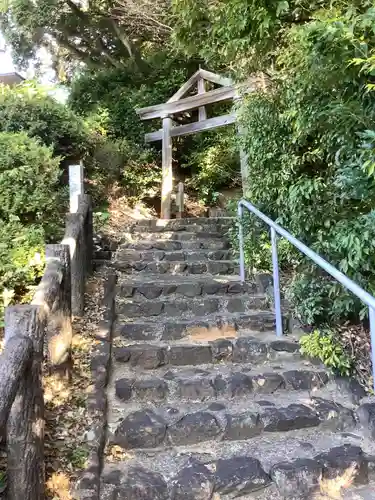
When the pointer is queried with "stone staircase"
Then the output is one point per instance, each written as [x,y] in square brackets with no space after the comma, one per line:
[204,400]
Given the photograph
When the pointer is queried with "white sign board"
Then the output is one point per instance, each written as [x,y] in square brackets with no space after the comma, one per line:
[75,186]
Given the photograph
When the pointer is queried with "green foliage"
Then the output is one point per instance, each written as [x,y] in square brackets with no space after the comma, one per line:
[310,145]
[213,161]
[324,345]
[100,33]
[78,457]
[117,93]
[21,260]
[257,245]
[30,206]
[3,481]
[141,174]
[113,96]
[29,108]
[123,163]
[240,34]
[29,178]
[100,220]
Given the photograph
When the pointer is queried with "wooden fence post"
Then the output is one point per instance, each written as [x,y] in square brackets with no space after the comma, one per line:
[25,428]
[13,362]
[75,240]
[89,233]
[59,336]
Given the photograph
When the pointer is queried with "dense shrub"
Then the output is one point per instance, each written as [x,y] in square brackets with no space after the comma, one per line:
[31,208]
[213,161]
[29,178]
[21,260]
[325,345]
[28,108]
[310,146]
[117,93]
[121,163]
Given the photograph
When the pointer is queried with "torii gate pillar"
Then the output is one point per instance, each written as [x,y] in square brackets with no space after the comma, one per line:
[167,175]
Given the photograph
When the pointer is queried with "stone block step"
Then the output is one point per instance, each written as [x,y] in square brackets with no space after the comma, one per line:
[176,267]
[175,224]
[197,384]
[129,254]
[153,329]
[191,228]
[170,235]
[254,348]
[188,307]
[173,245]
[188,424]
[154,286]
[285,467]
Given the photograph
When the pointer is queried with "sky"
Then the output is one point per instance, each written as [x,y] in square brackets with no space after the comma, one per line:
[6,64]
[47,77]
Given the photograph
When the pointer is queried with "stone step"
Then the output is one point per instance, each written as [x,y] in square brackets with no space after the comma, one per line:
[128,254]
[154,286]
[184,424]
[193,384]
[153,329]
[173,245]
[205,347]
[301,466]
[128,237]
[191,228]
[188,307]
[175,267]
[177,223]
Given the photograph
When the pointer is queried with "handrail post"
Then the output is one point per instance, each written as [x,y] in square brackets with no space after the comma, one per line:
[276,284]
[371,314]
[241,243]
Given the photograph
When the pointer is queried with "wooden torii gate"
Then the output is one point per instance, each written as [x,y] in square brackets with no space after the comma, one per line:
[178,104]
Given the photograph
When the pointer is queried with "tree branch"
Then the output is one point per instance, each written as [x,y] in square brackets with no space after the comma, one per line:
[122,37]
[81,54]
[100,44]
[78,11]
[135,9]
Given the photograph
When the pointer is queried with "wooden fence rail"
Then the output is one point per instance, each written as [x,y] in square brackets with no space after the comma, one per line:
[44,326]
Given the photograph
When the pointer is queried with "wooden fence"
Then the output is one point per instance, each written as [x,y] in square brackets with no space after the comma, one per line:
[30,331]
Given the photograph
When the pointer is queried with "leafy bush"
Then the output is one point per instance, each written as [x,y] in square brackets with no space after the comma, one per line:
[141,173]
[124,164]
[117,93]
[310,145]
[29,108]
[113,96]
[323,345]
[29,178]
[31,204]
[21,260]
[239,35]
[213,161]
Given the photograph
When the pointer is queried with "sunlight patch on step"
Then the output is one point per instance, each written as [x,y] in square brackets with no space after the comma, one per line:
[208,334]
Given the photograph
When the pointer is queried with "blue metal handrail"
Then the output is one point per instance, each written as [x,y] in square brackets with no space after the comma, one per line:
[338,275]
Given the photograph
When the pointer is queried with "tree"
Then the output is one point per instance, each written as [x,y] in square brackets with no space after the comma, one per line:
[150,19]
[99,33]
[242,35]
